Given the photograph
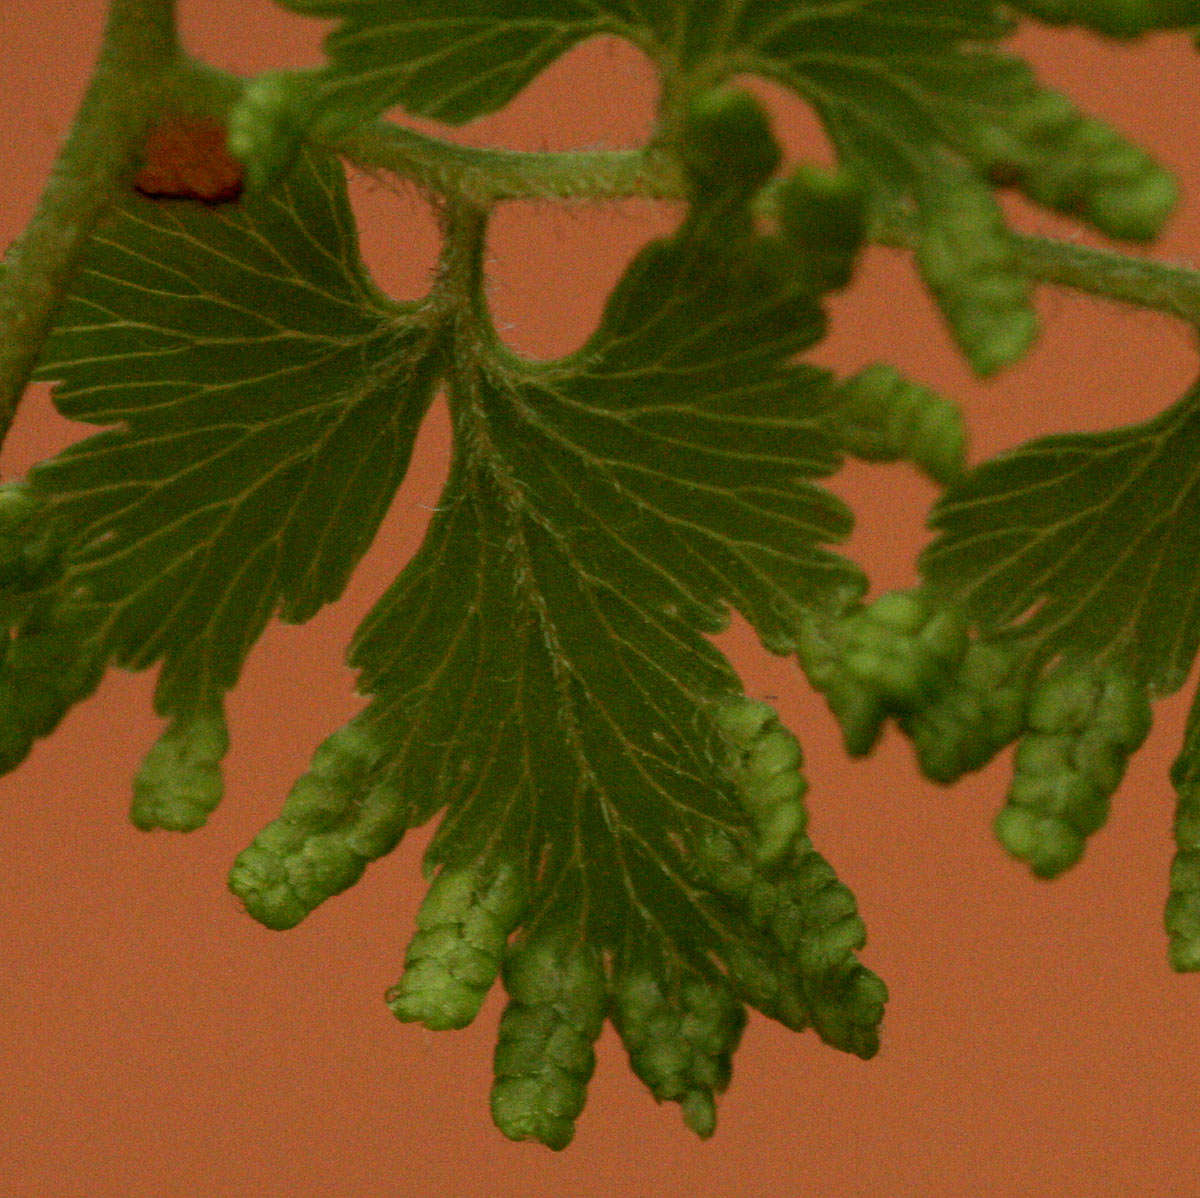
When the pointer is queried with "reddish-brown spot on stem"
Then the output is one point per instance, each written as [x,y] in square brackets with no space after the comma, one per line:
[186,158]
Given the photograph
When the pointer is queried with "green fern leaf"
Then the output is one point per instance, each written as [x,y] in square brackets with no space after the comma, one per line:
[1117,18]
[541,671]
[463,58]
[1083,544]
[249,371]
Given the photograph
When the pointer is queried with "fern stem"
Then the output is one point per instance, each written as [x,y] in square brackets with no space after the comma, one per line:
[139,50]
[460,283]
[483,176]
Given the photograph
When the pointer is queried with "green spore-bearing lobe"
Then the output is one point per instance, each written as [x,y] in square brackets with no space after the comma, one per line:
[881,416]
[456,954]
[1084,544]
[823,214]
[980,710]
[681,1031]
[856,704]
[801,969]
[544,1055]
[1182,915]
[1077,165]
[903,645]
[268,122]
[179,783]
[1083,722]
[765,761]
[893,657]
[727,146]
[968,259]
[49,665]
[262,399]
[339,816]
[28,553]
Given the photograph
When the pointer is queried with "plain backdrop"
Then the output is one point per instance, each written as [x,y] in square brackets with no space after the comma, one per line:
[155,1041]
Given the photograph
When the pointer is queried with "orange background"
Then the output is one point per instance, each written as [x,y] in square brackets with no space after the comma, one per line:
[155,1041]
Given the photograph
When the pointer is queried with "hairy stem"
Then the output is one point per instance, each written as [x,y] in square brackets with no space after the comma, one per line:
[459,285]
[483,176]
[139,49]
